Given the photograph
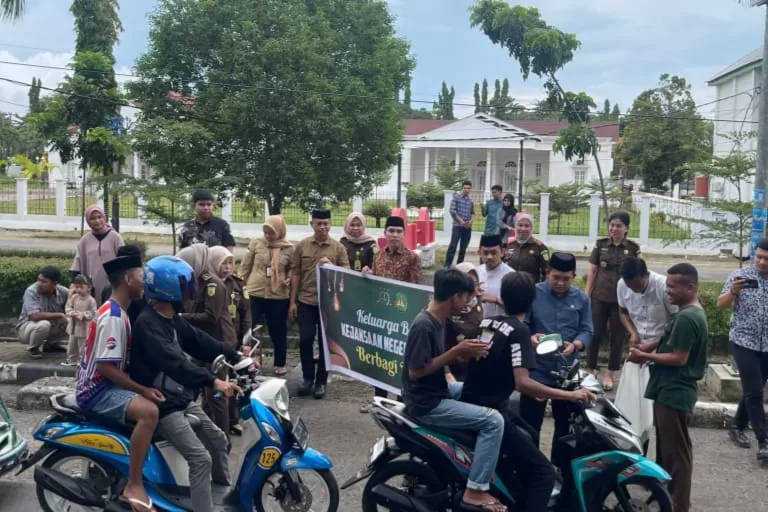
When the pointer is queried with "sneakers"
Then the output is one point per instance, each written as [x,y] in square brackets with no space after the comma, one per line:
[35,352]
[69,362]
[762,451]
[307,387]
[739,438]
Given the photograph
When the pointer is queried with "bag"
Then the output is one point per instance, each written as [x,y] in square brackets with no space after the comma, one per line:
[630,397]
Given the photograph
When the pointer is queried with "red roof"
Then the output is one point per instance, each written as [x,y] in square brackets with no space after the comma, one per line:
[551,128]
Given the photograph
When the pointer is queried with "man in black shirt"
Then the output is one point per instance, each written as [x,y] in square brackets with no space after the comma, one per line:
[430,399]
[490,381]
[205,228]
[161,341]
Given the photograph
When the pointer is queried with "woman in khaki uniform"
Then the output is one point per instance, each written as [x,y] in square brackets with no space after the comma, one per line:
[361,247]
[266,270]
[602,279]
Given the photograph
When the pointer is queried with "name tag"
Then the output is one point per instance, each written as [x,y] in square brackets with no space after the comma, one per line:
[269,271]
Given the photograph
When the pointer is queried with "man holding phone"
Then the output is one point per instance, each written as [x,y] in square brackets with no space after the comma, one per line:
[746,290]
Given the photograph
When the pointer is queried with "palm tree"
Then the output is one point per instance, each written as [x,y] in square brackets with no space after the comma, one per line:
[11,9]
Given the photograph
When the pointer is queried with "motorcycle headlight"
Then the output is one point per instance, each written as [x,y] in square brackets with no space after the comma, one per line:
[282,400]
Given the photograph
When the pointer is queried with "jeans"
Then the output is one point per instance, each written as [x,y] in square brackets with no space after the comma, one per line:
[753,372]
[459,234]
[532,412]
[309,329]
[488,423]
[275,312]
[205,452]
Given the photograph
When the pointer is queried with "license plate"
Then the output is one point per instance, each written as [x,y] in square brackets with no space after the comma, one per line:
[378,449]
[301,434]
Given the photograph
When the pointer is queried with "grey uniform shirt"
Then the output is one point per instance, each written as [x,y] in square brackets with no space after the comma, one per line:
[35,302]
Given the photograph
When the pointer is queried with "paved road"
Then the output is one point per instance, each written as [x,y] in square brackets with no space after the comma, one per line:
[709,269]
[726,478]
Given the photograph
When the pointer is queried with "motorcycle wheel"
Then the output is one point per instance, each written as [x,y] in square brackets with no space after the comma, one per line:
[658,495]
[273,495]
[91,469]
[409,472]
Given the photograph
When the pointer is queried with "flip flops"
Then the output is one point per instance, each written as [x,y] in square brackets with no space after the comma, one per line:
[149,507]
[482,507]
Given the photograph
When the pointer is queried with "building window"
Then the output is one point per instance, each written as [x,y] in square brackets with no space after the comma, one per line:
[579,175]
[538,170]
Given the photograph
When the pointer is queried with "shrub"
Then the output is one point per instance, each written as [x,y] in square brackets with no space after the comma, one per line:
[37,253]
[378,210]
[18,272]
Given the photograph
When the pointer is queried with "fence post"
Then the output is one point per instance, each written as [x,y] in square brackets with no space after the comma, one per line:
[226,209]
[645,220]
[21,197]
[357,204]
[99,197]
[61,198]
[594,216]
[404,198]
[266,210]
[544,216]
[447,220]
[141,207]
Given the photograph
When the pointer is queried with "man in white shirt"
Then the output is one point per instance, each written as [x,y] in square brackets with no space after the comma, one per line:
[644,305]
[491,273]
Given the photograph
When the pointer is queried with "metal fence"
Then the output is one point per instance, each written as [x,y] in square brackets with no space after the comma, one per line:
[41,200]
[7,197]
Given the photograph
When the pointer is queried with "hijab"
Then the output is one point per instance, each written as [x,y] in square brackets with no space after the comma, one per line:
[216,257]
[364,237]
[93,209]
[198,257]
[277,224]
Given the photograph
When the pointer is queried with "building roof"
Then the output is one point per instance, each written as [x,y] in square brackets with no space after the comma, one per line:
[746,61]
[607,129]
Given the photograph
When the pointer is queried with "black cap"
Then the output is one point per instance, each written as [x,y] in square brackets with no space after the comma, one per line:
[395,222]
[490,241]
[202,194]
[121,264]
[321,214]
[129,250]
[563,261]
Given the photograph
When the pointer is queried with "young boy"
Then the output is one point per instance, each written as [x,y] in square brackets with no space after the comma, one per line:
[103,385]
[80,310]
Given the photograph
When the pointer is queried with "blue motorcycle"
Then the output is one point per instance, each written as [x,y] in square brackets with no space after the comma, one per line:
[277,470]
[600,463]
[13,448]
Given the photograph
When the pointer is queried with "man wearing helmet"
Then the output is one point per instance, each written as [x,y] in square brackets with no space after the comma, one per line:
[159,358]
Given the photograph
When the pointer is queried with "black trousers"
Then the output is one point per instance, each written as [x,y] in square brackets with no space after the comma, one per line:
[309,330]
[275,311]
[461,237]
[753,372]
[532,412]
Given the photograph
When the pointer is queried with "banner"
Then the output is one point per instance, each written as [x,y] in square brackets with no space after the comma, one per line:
[365,322]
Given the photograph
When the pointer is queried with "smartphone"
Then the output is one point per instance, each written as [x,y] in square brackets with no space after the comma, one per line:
[751,283]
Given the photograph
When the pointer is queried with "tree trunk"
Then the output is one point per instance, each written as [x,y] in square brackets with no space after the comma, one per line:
[274,204]
[106,202]
[82,213]
[173,225]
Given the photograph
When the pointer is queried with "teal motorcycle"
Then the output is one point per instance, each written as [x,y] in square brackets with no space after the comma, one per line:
[13,448]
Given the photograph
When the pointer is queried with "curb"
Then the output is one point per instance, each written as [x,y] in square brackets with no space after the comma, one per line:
[27,373]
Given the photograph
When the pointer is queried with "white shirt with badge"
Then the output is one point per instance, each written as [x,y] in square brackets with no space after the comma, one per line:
[651,310]
[491,282]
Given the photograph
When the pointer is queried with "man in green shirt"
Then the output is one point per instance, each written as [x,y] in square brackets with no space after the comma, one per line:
[678,363]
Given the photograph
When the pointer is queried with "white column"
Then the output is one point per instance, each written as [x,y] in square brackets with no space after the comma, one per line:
[266,209]
[427,151]
[594,216]
[61,198]
[21,196]
[226,209]
[645,220]
[544,216]
[136,166]
[406,163]
[488,170]
[404,198]
[357,204]
[457,162]
[447,219]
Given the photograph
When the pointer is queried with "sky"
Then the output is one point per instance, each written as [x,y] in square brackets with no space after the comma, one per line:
[626,45]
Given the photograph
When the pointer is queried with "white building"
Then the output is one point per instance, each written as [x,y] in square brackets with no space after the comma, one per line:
[491,149]
[736,110]
[72,173]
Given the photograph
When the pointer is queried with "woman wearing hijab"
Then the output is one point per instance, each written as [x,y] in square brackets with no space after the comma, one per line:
[209,312]
[506,218]
[527,253]
[95,248]
[266,270]
[360,246]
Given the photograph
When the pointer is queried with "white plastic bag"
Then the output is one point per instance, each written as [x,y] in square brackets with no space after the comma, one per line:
[629,397]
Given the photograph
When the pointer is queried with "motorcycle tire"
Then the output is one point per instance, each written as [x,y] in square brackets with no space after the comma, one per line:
[657,489]
[51,461]
[405,468]
[330,482]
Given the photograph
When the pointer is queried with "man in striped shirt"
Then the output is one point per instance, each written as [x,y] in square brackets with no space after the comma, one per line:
[104,387]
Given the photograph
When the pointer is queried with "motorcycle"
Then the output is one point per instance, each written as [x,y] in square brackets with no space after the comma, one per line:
[597,463]
[274,471]
[14,449]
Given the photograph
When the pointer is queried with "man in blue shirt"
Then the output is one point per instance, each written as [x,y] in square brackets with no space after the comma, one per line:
[462,212]
[490,211]
[559,308]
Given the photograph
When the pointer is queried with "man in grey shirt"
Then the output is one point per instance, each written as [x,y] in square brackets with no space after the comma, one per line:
[42,318]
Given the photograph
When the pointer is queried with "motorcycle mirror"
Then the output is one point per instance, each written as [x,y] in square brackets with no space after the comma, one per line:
[219,364]
[547,347]
[251,338]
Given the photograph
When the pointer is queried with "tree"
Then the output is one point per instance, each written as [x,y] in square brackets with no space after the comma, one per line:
[30,169]
[664,132]
[564,200]
[426,195]
[449,176]
[477,98]
[285,87]
[12,9]
[542,50]
[484,97]
[35,106]
[443,107]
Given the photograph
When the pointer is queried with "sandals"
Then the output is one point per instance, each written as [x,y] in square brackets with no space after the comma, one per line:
[236,430]
[483,507]
[607,385]
[280,371]
[149,507]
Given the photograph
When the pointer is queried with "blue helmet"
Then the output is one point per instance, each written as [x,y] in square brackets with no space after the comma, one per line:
[167,278]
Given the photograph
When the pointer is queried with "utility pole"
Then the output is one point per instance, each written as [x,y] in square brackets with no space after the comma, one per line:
[399,180]
[521,174]
[760,207]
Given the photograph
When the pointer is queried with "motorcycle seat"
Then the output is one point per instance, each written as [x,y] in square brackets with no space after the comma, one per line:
[465,437]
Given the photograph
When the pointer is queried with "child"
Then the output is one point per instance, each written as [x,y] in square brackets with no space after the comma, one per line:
[222,263]
[80,310]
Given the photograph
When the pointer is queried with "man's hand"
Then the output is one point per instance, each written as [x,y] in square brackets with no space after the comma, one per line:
[228,389]
[324,261]
[568,348]
[367,270]
[154,396]
[292,310]
[449,377]
[634,339]
[637,356]
[738,285]
[472,349]
[582,395]
[535,338]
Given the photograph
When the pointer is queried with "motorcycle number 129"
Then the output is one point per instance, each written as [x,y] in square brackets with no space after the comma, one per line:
[378,449]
